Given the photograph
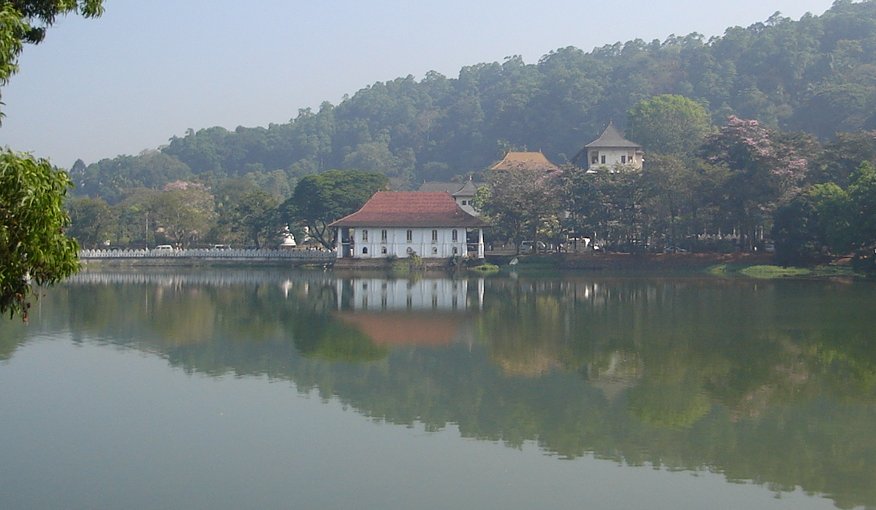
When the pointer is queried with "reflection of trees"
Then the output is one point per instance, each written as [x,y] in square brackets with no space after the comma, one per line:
[531,345]
[770,382]
[12,334]
[334,341]
[668,405]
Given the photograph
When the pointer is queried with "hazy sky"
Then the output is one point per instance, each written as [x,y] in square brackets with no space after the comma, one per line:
[146,71]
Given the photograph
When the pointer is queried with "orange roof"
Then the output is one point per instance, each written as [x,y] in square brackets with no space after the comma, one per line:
[405,328]
[410,209]
[514,160]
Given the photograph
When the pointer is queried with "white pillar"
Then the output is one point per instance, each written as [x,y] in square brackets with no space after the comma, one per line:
[480,243]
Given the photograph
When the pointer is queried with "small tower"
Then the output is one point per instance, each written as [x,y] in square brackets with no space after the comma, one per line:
[464,196]
[610,149]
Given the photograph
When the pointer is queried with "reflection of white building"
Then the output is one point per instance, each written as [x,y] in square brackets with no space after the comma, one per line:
[428,312]
[379,294]
[403,224]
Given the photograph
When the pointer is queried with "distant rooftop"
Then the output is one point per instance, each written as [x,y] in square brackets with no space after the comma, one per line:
[456,189]
[468,190]
[436,186]
[534,160]
[612,138]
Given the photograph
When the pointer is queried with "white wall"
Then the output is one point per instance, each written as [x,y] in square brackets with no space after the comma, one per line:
[467,207]
[397,244]
[613,157]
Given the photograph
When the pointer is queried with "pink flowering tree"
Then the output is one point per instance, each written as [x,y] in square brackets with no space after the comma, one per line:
[763,172]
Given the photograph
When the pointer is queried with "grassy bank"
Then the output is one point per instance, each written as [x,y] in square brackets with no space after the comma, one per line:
[767,272]
[718,264]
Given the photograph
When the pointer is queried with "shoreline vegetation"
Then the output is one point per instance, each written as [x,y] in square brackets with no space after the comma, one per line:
[745,265]
[759,266]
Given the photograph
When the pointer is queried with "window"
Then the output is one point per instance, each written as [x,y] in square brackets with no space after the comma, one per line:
[383,250]
[623,160]
[434,236]
[364,250]
[410,235]
[464,203]
[594,158]
[455,236]
[602,159]
[383,236]
[434,251]
[365,235]
[455,250]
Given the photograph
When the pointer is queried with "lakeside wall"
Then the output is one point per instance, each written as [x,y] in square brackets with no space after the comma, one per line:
[207,255]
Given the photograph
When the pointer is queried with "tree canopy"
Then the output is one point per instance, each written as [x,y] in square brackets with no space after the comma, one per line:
[668,124]
[520,202]
[33,247]
[321,199]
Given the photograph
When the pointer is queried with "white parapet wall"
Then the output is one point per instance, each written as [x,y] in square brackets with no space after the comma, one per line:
[315,256]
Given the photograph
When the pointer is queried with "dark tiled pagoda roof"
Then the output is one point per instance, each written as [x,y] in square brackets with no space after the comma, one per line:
[468,190]
[410,209]
[612,138]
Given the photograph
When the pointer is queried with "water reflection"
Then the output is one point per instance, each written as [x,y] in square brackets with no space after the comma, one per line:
[769,382]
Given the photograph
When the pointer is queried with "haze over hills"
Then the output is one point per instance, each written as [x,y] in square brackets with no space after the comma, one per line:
[816,75]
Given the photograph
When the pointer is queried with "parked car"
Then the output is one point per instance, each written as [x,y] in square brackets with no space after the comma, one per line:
[163,247]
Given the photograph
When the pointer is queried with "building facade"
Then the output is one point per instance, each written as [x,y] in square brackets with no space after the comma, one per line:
[403,224]
[609,151]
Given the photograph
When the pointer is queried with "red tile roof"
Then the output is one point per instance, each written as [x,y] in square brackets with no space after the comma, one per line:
[410,209]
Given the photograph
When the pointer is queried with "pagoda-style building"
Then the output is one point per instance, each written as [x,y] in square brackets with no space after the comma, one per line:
[608,151]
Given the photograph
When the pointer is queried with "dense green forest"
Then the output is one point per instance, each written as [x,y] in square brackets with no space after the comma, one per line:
[816,75]
[768,111]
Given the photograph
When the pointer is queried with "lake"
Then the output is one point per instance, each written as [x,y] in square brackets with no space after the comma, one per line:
[229,389]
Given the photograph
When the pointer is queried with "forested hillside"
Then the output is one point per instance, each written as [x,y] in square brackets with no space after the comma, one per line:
[816,75]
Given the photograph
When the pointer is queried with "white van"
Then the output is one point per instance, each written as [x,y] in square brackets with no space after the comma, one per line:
[163,247]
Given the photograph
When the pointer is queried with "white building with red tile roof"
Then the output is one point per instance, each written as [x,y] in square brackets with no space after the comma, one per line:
[405,223]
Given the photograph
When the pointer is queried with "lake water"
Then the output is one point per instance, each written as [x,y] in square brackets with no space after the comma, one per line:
[226,389]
